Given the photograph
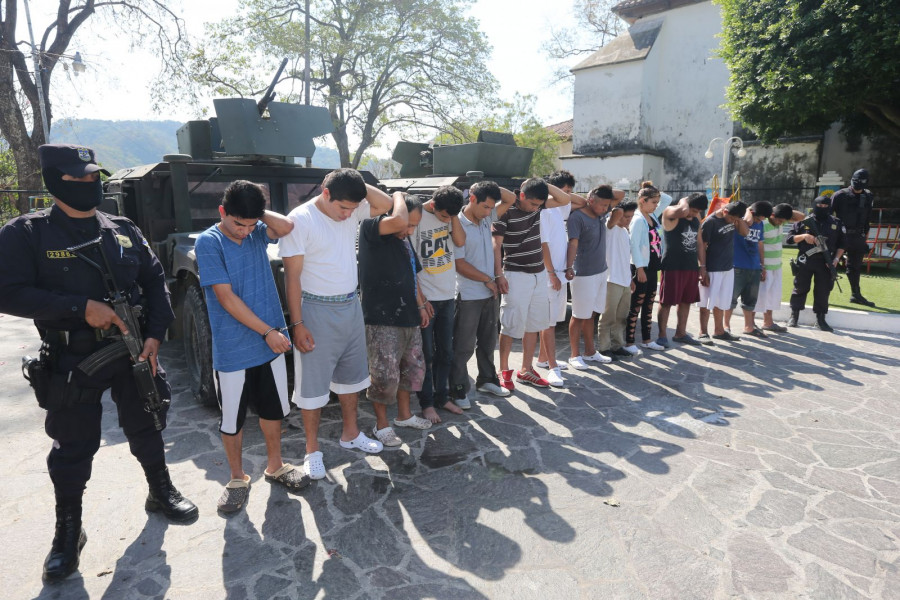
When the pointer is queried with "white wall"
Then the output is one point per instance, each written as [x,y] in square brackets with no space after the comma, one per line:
[669,102]
[590,172]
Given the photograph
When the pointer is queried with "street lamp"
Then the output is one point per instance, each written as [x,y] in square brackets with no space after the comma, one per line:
[727,145]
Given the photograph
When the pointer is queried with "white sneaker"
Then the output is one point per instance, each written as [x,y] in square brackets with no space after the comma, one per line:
[576,363]
[554,378]
[597,357]
[632,350]
[653,346]
[545,364]
[491,388]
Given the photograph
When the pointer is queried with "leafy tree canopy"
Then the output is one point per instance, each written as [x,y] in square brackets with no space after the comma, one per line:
[399,65]
[516,117]
[138,22]
[800,65]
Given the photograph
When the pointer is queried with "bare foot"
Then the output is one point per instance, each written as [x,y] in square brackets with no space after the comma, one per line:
[432,415]
[450,407]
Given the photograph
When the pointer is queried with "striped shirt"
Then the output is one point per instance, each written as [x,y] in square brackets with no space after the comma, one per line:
[521,232]
[772,240]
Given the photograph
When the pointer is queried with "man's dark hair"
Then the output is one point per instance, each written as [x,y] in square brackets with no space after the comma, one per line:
[482,190]
[699,201]
[244,200]
[345,184]
[783,211]
[602,191]
[761,209]
[535,189]
[628,206]
[449,199]
[736,209]
[413,203]
[561,179]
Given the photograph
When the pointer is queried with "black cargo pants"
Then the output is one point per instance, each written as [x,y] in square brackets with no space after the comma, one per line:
[75,429]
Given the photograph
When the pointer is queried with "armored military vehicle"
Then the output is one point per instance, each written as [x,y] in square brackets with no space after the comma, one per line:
[426,167]
[173,200]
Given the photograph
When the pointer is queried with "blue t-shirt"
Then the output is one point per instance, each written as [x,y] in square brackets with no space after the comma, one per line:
[746,249]
[246,267]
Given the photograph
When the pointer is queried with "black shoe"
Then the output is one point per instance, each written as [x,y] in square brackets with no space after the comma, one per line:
[165,498]
[792,322]
[621,352]
[859,299]
[821,324]
[68,541]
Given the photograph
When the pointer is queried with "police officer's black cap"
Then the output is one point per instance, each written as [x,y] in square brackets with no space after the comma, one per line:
[822,200]
[861,175]
[76,161]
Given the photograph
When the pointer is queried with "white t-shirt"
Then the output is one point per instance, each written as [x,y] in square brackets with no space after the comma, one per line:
[618,255]
[553,230]
[328,248]
[432,243]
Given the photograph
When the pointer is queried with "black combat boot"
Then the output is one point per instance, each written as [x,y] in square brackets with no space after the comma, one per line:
[821,324]
[795,316]
[165,498]
[68,540]
[857,298]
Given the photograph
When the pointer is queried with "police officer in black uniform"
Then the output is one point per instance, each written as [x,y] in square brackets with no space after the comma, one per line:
[40,279]
[853,206]
[811,265]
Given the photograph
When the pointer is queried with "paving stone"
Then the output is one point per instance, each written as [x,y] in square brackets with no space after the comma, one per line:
[776,510]
[757,569]
[687,519]
[382,577]
[829,548]
[267,586]
[822,585]
[848,457]
[781,481]
[841,481]
[840,506]
[724,487]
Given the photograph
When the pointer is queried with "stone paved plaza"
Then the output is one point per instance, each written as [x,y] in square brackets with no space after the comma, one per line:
[759,469]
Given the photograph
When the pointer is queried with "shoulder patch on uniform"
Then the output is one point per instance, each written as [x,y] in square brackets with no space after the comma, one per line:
[84,154]
[123,240]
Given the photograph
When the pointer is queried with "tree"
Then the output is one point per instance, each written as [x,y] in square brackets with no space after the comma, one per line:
[516,117]
[800,65]
[20,114]
[376,65]
[595,25]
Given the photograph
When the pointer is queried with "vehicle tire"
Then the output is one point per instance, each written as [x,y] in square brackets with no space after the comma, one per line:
[197,337]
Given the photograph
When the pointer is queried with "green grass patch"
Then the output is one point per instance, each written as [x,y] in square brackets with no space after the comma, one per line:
[881,286]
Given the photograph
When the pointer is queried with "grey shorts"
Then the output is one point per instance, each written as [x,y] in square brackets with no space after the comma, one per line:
[395,361]
[338,362]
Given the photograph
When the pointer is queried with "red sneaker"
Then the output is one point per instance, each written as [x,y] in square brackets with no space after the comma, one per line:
[533,378]
[506,380]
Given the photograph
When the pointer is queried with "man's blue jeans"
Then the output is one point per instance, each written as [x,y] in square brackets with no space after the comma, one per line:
[437,345]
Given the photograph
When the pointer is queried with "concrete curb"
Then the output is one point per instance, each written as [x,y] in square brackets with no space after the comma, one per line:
[839,318]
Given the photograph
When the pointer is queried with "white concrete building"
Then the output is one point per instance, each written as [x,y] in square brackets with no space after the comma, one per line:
[647,105]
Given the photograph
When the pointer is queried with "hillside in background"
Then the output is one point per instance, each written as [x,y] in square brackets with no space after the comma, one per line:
[120,144]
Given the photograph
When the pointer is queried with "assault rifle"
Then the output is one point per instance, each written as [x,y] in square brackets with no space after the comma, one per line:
[130,344]
[821,247]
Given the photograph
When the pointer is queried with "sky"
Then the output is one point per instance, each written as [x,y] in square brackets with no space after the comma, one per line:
[116,82]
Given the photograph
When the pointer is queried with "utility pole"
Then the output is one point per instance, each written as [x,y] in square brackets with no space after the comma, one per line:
[306,73]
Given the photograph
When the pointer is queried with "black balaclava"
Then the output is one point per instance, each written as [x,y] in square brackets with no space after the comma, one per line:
[821,212]
[80,195]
